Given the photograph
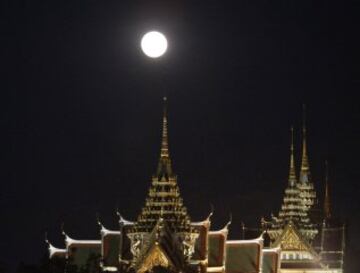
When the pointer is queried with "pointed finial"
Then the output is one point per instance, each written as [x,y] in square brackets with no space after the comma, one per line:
[46,238]
[62,229]
[118,213]
[292,171]
[164,139]
[304,170]
[164,166]
[230,220]
[211,211]
[98,221]
[327,203]
[122,220]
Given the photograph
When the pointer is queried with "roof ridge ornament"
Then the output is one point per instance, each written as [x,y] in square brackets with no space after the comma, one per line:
[211,212]
[207,219]
[46,238]
[52,249]
[230,220]
[123,220]
[226,227]
[98,221]
[62,229]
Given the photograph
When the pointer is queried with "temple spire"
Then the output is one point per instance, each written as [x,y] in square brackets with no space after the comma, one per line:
[327,203]
[164,166]
[304,170]
[292,172]
[163,203]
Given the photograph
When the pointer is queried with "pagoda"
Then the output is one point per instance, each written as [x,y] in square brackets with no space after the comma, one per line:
[311,239]
[164,238]
[306,185]
[294,210]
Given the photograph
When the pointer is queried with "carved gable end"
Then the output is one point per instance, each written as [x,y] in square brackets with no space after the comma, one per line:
[155,257]
[290,239]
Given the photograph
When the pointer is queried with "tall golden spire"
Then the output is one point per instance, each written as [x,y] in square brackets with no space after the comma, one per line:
[327,203]
[164,202]
[304,170]
[164,165]
[292,172]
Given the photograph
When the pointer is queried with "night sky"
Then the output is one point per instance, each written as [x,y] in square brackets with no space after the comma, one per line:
[81,115]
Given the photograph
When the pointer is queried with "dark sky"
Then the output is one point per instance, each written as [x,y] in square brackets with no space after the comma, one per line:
[82,110]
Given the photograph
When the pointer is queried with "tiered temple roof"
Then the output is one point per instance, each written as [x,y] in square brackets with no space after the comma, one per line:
[164,238]
[164,200]
[306,185]
[310,241]
[293,210]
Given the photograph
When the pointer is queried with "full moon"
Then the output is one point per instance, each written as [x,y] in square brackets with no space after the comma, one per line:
[154,44]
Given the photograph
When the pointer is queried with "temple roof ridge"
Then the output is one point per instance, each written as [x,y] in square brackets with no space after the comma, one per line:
[104,231]
[55,251]
[276,249]
[258,240]
[69,241]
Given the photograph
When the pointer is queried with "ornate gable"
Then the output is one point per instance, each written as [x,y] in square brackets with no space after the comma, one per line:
[295,249]
[156,257]
[291,240]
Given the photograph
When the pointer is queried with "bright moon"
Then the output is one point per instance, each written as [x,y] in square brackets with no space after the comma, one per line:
[154,44]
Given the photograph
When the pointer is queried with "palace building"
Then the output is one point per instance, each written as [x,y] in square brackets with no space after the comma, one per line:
[310,237]
[165,239]
[302,237]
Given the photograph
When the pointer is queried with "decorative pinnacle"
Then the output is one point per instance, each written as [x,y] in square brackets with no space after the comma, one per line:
[164,166]
[327,203]
[46,238]
[292,172]
[98,221]
[164,140]
[304,158]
